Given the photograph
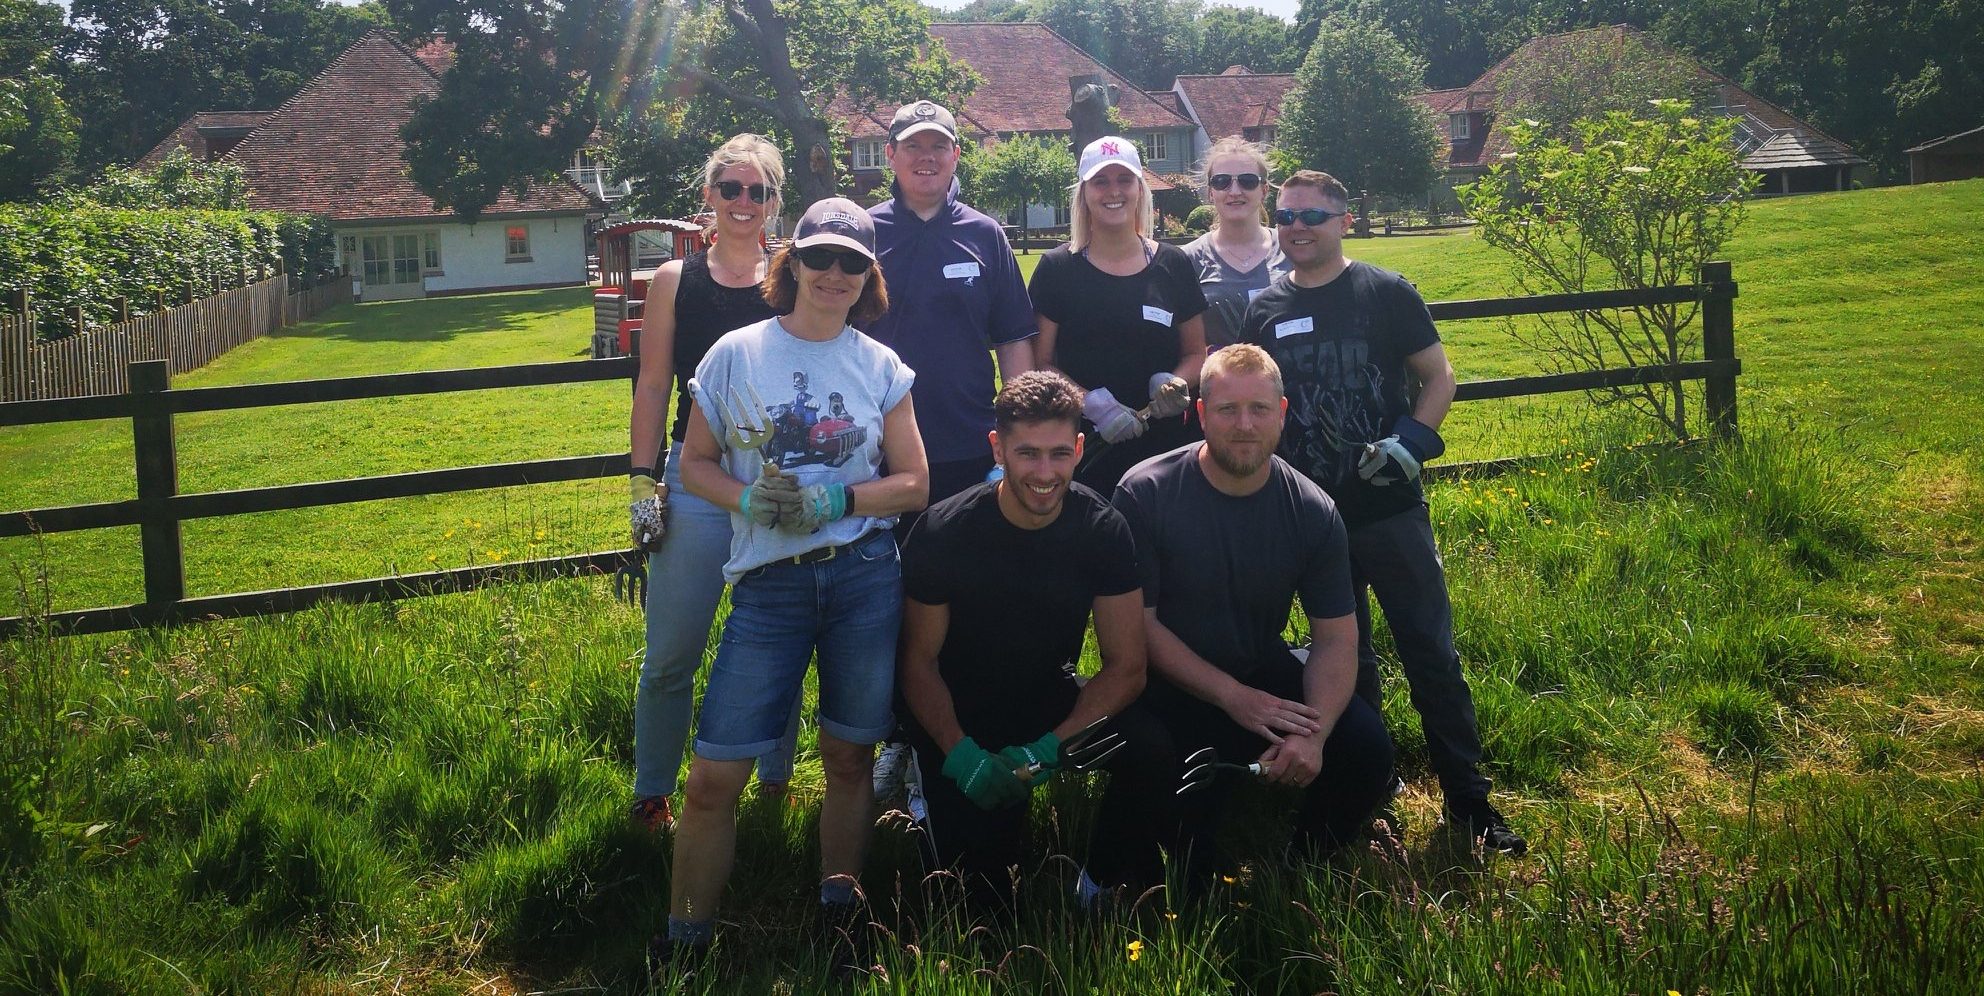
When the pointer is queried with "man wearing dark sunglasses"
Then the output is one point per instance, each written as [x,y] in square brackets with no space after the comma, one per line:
[1368,384]
[955,298]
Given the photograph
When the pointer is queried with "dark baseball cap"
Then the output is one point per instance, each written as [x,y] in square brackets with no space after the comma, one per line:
[923,115]
[836,221]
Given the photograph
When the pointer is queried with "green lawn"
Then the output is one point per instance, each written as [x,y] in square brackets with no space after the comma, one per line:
[1732,694]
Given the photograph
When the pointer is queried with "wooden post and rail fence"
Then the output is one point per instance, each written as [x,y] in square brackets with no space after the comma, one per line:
[150,404]
[96,361]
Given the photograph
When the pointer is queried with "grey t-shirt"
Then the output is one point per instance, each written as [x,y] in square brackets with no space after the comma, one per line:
[824,403]
[1229,291]
[1222,571]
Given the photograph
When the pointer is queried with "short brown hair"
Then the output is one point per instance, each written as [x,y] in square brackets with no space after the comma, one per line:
[1329,186]
[781,290]
[1239,358]
[1037,396]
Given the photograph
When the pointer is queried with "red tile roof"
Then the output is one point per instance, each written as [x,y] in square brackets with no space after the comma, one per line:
[1024,70]
[334,147]
[1232,102]
[206,135]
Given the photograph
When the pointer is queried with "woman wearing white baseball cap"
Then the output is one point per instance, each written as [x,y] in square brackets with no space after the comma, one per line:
[1120,314]
[794,417]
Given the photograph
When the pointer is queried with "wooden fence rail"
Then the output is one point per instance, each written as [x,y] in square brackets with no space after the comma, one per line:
[190,336]
[159,508]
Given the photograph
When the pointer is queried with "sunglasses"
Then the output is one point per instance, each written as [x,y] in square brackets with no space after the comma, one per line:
[1308,216]
[823,258]
[730,189]
[1221,181]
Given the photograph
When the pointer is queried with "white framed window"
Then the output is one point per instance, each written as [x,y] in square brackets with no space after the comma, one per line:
[1457,127]
[869,153]
[1061,216]
[1157,147]
[516,244]
[430,252]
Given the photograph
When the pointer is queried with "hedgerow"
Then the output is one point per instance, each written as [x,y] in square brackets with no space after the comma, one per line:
[78,254]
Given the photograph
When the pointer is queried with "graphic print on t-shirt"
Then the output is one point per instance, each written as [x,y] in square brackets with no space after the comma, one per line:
[1336,401]
[802,434]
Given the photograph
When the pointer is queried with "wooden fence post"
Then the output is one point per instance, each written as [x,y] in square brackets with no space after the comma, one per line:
[158,483]
[1718,290]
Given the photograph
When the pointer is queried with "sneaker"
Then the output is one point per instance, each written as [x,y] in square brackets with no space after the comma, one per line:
[1483,824]
[668,960]
[653,814]
[891,766]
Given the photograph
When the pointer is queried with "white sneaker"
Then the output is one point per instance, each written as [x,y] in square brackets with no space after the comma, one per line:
[891,770]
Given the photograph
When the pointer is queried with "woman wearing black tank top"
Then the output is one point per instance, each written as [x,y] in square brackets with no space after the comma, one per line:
[692,302]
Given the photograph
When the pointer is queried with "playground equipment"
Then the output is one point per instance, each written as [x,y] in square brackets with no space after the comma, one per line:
[624,252]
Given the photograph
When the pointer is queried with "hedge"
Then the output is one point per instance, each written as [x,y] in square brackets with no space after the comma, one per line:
[78,254]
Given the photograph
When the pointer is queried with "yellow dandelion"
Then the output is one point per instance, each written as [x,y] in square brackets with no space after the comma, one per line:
[1137,951]
[1228,879]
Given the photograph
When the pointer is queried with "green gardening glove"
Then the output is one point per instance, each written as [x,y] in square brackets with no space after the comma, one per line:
[1045,752]
[984,779]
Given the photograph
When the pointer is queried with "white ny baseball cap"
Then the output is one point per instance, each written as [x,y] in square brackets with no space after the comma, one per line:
[1110,149]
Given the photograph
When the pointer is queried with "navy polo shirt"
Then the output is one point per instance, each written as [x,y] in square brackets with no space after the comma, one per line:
[954,293]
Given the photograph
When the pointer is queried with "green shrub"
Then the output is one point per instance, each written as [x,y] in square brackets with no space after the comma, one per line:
[1200,220]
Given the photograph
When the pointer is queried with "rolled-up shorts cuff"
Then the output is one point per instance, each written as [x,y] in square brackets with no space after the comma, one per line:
[855,734]
[729,752]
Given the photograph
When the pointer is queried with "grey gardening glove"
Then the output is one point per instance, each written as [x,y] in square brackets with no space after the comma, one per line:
[1399,457]
[771,500]
[819,504]
[1113,419]
[647,511]
[1169,395]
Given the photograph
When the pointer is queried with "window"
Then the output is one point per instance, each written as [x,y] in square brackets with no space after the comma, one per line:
[1061,213]
[430,252]
[868,153]
[516,244]
[350,244]
[1156,147]
[1457,127]
[391,259]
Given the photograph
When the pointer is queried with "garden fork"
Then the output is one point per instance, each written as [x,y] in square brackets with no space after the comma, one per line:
[1203,766]
[749,427]
[1080,752]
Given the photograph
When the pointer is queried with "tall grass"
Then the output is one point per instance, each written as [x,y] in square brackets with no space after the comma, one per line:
[430,796]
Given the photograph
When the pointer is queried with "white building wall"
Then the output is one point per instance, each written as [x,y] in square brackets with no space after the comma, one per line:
[475,257]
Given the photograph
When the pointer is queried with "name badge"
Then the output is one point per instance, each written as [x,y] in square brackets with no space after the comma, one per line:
[1294,326]
[1153,313]
[960,271]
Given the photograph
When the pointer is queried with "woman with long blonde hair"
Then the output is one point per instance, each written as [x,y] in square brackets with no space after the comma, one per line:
[1239,256]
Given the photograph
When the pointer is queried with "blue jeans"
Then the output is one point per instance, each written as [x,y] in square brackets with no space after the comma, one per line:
[847,609]
[685,582]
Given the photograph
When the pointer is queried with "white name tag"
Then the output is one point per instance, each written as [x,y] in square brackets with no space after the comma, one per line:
[1153,313]
[1295,326]
[960,271]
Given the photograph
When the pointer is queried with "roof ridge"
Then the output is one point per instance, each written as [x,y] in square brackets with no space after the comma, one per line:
[315,81]
[1119,78]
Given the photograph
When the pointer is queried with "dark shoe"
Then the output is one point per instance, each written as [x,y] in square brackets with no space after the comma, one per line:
[1482,824]
[841,935]
[653,814]
[669,960]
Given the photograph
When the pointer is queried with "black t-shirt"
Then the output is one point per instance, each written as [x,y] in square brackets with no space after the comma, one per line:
[1019,599]
[1342,348]
[1115,332]
[1222,571]
[704,311]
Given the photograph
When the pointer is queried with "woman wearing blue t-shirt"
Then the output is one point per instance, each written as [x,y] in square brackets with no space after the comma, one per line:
[1120,314]
[793,419]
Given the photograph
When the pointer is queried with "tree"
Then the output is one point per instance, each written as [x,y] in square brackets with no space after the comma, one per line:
[1243,36]
[1353,113]
[177,181]
[1587,75]
[1023,171]
[1457,39]
[1148,41]
[1630,203]
[37,130]
[541,77]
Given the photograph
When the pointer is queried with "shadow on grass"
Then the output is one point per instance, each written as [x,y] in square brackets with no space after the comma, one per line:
[438,319]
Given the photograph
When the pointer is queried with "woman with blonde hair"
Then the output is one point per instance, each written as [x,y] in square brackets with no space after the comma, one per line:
[1120,315]
[692,302]
[1239,256]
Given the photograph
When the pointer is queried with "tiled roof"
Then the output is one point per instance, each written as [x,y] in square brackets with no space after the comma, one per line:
[1935,143]
[1023,86]
[1231,102]
[206,135]
[1790,150]
[334,148]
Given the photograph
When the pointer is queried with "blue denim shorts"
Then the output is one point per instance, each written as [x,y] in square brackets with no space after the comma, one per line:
[847,609]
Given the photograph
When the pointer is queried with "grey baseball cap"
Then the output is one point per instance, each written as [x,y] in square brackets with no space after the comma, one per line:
[836,221]
[924,115]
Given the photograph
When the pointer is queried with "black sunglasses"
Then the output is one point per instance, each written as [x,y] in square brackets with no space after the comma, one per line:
[729,189]
[1308,216]
[1221,181]
[823,258]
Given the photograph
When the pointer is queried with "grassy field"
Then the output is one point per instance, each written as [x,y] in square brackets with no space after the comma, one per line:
[1732,694]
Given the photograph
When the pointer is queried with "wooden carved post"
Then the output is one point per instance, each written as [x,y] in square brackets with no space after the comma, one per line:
[1718,290]
[158,483]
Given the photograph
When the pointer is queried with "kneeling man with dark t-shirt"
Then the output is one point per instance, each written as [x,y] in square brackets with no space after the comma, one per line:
[1228,535]
[999,583]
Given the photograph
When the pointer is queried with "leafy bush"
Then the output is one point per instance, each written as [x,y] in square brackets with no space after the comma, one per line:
[79,254]
[1199,220]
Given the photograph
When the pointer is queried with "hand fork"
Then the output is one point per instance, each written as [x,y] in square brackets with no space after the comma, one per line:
[1085,750]
[749,426]
[1203,767]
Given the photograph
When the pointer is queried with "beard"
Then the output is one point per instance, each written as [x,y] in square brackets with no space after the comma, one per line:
[1243,466]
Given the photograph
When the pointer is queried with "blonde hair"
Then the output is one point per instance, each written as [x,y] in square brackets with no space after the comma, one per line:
[1239,358]
[747,149]
[1234,145]
[1078,221]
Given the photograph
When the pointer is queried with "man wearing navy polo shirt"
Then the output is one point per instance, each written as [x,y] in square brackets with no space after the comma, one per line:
[955,297]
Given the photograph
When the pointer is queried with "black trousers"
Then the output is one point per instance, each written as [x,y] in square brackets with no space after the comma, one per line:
[1336,807]
[987,848]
